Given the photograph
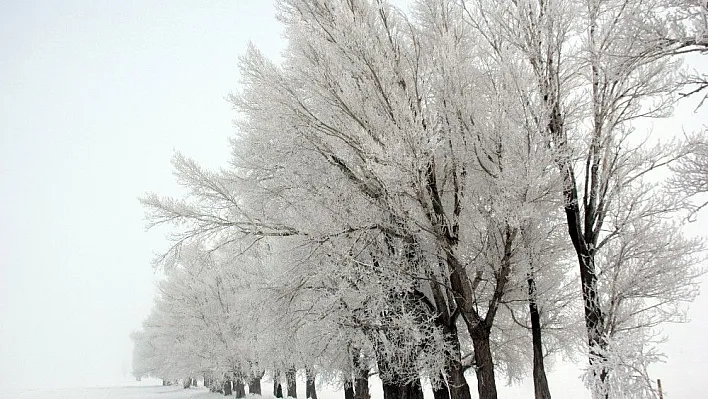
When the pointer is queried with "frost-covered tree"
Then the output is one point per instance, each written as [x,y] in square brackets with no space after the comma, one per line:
[401,181]
[691,176]
[600,66]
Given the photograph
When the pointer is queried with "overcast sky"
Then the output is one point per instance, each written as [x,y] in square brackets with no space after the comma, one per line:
[94,98]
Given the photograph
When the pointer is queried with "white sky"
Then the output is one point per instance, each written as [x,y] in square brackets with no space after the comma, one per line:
[94,97]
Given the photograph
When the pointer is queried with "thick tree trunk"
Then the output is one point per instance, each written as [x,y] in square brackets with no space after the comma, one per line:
[456,381]
[540,382]
[227,387]
[348,389]
[310,389]
[254,385]
[397,390]
[486,382]
[395,385]
[361,385]
[291,379]
[239,389]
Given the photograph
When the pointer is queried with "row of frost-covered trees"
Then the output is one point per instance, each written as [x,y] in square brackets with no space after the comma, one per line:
[468,188]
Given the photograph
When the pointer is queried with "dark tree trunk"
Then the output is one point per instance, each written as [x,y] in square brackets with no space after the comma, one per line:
[457,387]
[486,383]
[291,379]
[227,387]
[254,385]
[440,390]
[310,390]
[361,375]
[194,382]
[186,383]
[398,390]
[348,389]
[540,382]
[582,230]
[277,388]
[239,389]
[361,385]
[395,384]
[457,383]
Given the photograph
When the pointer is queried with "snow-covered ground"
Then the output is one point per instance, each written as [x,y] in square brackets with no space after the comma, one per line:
[129,392]
[563,380]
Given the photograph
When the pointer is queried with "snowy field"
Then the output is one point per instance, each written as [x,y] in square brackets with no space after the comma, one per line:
[563,380]
[130,392]
[124,392]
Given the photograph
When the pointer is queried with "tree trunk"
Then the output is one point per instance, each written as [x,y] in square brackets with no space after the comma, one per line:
[395,385]
[540,382]
[310,390]
[457,386]
[440,391]
[239,389]
[186,383]
[398,390]
[348,389]
[361,375]
[277,388]
[254,385]
[361,385]
[227,387]
[194,382]
[584,241]
[486,383]
[290,378]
